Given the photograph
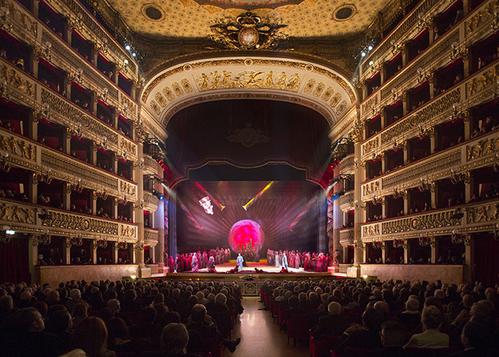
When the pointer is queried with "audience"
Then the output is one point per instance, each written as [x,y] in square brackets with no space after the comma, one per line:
[389,318]
[118,318]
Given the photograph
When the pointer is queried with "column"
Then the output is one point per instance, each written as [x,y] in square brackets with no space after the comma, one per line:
[115,252]
[433,194]
[406,204]
[365,251]
[67,141]
[94,203]
[33,182]
[36,7]
[94,251]
[433,246]
[405,103]
[406,152]
[467,126]
[67,251]
[433,141]
[153,254]
[407,252]
[468,240]
[33,130]
[139,214]
[33,257]
[115,163]
[383,252]
[160,225]
[468,191]
[383,208]
[359,211]
[432,82]
[115,208]
[67,196]
[94,154]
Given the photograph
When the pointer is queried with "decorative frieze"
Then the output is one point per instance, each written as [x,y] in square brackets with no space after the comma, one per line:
[14,213]
[370,145]
[482,148]
[484,18]
[17,147]
[422,222]
[371,188]
[151,236]
[487,213]
[482,86]
[69,115]
[14,83]
[371,230]
[128,189]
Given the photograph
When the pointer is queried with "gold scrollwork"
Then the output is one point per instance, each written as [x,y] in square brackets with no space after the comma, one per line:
[481,149]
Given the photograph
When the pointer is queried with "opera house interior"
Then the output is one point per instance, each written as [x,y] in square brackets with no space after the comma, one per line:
[235,177]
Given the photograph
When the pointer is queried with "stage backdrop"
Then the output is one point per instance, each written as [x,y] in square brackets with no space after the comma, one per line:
[282,215]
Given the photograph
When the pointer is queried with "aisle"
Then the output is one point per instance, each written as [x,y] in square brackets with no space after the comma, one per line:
[260,336]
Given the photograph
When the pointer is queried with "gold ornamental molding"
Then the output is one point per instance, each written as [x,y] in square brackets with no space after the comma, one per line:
[479,88]
[467,219]
[31,219]
[214,79]
[247,31]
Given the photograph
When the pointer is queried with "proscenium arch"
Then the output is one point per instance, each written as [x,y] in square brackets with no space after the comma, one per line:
[283,79]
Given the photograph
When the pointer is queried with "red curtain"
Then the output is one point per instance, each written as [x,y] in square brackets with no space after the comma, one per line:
[14,260]
[485,262]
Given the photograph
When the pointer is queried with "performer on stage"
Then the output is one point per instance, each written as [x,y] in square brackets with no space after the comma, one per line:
[211,264]
[284,261]
[194,263]
[239,261]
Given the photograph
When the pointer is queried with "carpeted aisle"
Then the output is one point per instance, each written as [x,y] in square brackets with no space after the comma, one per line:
[260,336]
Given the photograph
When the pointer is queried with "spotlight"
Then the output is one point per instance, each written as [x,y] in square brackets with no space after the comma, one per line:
[371,63]
[125,61]
[362,54]
[10,232]
[134,54]
[128,48]
[369,48]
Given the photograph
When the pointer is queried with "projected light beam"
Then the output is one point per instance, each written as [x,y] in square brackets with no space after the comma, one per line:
[213,199]
[259,194]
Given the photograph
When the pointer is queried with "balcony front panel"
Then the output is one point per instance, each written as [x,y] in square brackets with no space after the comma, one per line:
[479,88]
[474,154]
[33,219]
[463,219]
[346,237]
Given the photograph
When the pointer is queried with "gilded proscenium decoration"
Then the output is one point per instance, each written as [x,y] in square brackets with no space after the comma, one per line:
[247,31]
[248,79]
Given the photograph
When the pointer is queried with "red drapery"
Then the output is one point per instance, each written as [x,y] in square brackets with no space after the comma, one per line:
[14,264]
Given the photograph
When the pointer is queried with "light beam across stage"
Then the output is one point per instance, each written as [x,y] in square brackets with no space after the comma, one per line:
[210,196]
[259,194]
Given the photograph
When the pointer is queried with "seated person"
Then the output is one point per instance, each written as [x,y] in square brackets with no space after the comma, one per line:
[332,324]
[431,337]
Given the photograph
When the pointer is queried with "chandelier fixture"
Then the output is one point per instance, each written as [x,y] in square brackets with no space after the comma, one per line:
[247,31]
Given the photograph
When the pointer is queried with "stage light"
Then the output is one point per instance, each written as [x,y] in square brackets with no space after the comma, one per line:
[370,47]
[362,54]
[134,54]
[125,61]
[371,63]
[250,202]
[127,47]
[10,232]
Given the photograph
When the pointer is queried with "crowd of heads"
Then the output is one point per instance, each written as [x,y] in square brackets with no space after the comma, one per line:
[103,318]
[395,315]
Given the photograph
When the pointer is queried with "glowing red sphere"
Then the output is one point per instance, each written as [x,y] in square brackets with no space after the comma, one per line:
[245,235]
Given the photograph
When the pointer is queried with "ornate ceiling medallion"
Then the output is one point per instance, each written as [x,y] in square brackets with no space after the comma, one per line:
[247,31]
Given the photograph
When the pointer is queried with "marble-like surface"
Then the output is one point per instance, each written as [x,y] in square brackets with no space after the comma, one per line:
[53,275]
[429,272]
[260,336]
